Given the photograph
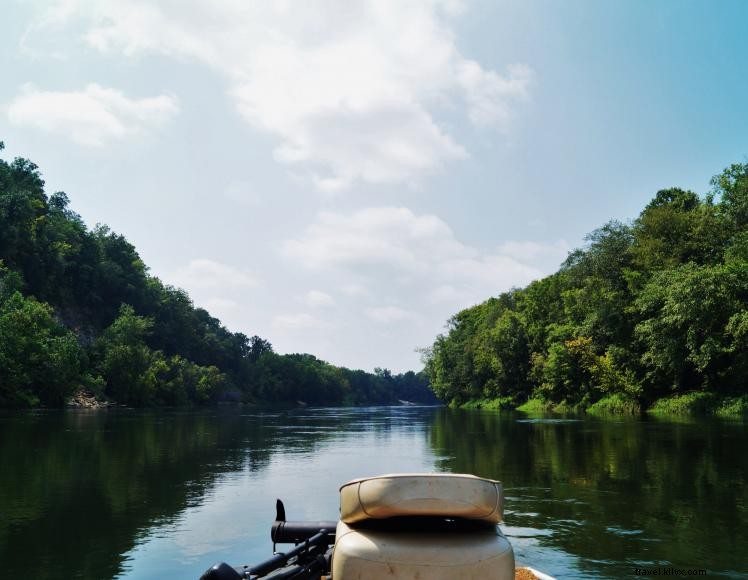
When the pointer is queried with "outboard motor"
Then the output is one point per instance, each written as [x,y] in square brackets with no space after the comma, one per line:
[309,559]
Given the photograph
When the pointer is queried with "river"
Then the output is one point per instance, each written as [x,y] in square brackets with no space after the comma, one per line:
[164,494]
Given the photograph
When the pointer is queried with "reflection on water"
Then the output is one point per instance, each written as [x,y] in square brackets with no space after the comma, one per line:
[600,497]
[164,494]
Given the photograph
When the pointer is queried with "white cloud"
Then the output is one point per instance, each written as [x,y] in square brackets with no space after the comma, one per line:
[221,308]
[201,274]
[390,314]
[350,90]
[317,298]
[546,256]
[416,257]
[399,276]
[297,322]
[222,304]
[489,94]
[91,117]
[353,289]
[391,236]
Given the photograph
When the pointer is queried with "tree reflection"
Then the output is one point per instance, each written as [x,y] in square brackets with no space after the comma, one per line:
[77,489]
[613,493]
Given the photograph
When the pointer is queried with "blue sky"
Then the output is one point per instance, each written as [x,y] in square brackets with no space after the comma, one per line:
[341,177]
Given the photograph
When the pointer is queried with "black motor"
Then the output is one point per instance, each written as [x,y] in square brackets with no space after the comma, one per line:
[310,558]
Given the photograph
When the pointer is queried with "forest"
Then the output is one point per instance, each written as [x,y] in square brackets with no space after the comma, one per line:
[648,315]
[79,312]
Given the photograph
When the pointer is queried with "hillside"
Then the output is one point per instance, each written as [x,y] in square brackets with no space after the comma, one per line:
[79,310]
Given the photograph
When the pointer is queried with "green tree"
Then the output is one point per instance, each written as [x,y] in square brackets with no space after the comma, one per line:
[40,360]
[691,318]
[676,228]
[129,367]
[731,186]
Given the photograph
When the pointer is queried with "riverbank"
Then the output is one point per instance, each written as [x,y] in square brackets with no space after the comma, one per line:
[688,404]
[83,399]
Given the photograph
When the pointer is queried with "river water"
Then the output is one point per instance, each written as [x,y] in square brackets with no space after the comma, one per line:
[165,494]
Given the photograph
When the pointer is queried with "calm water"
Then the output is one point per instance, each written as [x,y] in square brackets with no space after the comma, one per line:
[165,494]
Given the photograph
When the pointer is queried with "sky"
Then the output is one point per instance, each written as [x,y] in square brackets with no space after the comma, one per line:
[342,176]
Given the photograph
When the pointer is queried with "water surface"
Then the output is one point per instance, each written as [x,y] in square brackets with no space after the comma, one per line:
[164,494]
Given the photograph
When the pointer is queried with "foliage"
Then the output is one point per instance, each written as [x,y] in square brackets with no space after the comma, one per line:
[490,404]
[733,407]
[535,406]
[695,403]
[615,404]
[646,310]
[40,360]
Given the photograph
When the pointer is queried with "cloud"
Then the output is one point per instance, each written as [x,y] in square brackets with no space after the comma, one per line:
[354,290]
[390,236]
[318,298]
[398,276]
[546,256]
[416,258]
[489,94]
[297,322]
[351,91]
[91,117]
[390,314]
[201,274]
[221,308]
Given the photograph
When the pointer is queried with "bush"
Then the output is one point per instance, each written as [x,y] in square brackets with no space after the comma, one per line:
[733,407]
[615,404]
[535,406]
[490,404]
[694,403]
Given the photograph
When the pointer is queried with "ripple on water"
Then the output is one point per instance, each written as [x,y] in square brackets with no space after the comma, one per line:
[623,532]
[520,532]
[521,514]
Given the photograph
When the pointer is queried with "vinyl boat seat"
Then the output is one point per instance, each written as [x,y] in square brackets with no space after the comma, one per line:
[421,526]
[421,494]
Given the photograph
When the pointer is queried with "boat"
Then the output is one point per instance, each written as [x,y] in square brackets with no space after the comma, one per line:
[434,526]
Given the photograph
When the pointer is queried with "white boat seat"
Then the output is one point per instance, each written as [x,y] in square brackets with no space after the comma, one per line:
[421,494]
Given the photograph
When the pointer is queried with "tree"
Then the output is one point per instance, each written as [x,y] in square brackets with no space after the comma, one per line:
[40,360]
[676,228]
[129,368]
[731,186]
[691,318]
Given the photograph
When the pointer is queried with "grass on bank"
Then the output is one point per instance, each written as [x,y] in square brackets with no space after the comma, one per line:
[535,406]
[541,406]
[688,404]
[700,403]
[615,404]
[490,404]
[733,407]
[696,403]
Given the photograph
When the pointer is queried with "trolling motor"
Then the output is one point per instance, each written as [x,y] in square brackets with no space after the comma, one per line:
[309,559]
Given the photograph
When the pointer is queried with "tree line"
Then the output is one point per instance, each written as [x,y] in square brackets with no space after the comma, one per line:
[646,311]
[79,310]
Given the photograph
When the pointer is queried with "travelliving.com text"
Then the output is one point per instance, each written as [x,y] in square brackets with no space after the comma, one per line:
[669,571]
